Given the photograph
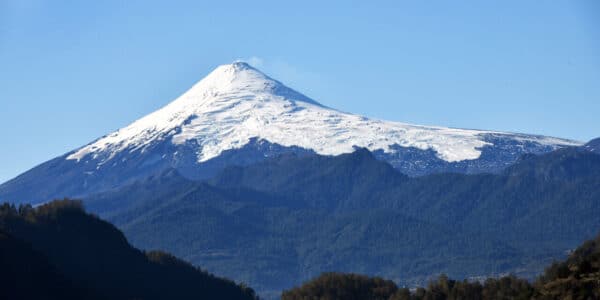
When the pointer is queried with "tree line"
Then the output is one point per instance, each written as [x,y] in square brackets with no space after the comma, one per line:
[576,278]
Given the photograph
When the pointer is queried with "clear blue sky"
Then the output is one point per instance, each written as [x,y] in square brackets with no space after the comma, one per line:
[71,71]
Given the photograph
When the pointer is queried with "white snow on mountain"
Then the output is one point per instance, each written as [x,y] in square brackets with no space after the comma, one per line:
[236,102]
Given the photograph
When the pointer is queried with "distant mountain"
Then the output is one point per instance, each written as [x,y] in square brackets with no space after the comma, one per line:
[57,251]
[291,217]
[593,145]
[238,116]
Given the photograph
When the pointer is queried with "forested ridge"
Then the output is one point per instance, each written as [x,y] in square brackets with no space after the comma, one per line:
[298,216]
[576,278]
[58,251]
[288,219]
[63,253]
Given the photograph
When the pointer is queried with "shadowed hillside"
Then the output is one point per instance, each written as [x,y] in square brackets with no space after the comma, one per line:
[62,252]
[298,216]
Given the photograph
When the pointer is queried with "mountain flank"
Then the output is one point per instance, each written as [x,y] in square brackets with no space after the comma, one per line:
[297,216]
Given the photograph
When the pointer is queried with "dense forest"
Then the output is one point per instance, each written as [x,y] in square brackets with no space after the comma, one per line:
[28,274]
[58,251]
[576,278]
[296,217]
[290,218]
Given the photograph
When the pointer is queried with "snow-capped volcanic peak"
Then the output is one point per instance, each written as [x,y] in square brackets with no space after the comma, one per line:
[236,103]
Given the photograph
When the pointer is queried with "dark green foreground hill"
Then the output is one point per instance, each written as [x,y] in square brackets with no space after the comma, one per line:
[576,278]
[58,251]
[28,274]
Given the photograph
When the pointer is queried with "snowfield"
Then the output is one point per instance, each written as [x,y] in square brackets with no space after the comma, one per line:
[236,103]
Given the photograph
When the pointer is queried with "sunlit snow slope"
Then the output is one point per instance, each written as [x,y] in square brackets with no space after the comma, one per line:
[236,102]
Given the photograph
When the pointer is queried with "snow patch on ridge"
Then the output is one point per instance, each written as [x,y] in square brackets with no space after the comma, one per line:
[236,103]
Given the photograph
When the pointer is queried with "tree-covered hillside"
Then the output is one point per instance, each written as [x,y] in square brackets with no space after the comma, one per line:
[576,278]
[290,218]
[28,274]
[57,251]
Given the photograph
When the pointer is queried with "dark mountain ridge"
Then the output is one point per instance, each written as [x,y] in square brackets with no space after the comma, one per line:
[28,274]
[94,257]
[297,216]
